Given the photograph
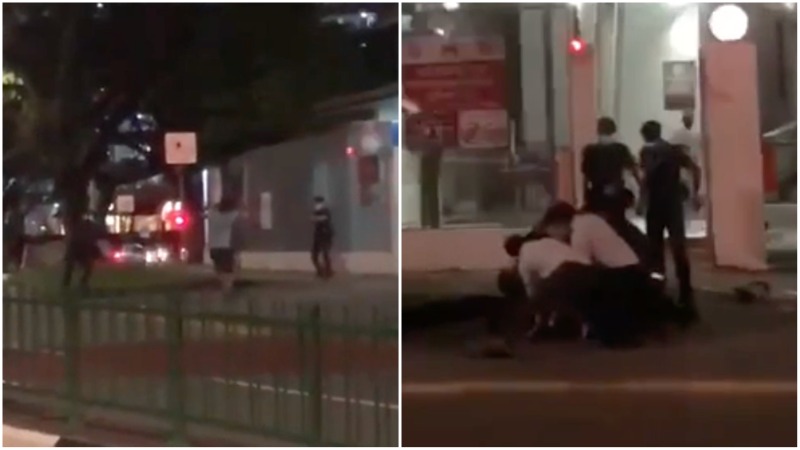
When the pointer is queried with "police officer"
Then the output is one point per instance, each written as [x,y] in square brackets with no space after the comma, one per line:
[661,164]
[322,239]
[604,164]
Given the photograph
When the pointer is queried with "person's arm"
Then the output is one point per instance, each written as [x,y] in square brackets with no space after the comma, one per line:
[581,239]
[528,275]
[586,164]
[630,164]
[688,163]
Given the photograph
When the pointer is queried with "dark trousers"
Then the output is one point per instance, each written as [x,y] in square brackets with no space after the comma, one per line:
[86,266]
[620,305]
[668,216]
[321,255]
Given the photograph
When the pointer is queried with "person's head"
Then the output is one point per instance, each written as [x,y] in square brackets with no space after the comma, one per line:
[651,131]
[606,126]
[687,119]
[319,200]
[557,221]
[513,244]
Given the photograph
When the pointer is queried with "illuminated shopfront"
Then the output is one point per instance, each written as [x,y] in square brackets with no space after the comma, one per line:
[634,62]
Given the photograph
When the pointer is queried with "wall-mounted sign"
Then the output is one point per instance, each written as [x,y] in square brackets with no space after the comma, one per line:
[265,211]
[180,148]
[481,129]
[445,76]
[125,204]
[680,85]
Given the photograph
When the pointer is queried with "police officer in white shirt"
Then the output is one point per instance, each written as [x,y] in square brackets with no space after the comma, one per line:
[559,277]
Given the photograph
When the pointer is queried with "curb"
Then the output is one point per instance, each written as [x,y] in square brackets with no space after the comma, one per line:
[20,437]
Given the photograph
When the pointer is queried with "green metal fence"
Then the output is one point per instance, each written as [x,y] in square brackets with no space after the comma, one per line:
[241,370]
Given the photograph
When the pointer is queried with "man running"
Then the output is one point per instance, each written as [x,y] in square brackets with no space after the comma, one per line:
[661,164]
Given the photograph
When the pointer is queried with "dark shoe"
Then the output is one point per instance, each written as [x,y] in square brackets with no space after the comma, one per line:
[495,348]
[687,316]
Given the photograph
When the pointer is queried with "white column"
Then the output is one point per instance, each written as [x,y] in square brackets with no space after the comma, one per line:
[582,113]
[731,133]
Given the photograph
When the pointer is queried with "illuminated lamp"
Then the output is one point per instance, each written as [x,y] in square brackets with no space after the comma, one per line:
[728,23]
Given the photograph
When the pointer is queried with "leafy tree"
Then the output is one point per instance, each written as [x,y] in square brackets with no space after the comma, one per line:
[85,77]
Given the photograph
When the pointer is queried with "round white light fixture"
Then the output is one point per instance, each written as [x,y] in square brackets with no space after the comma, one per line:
[451,6]
[728,23]
[684,35]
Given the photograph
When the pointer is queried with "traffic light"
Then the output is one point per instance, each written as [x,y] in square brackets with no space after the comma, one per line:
[178,220]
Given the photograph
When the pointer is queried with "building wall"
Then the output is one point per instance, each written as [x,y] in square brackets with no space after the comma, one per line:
[326,164]
[630,46]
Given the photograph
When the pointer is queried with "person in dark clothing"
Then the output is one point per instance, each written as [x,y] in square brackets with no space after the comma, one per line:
[82,251]
[322,240]
[14,238]
[661,164]
[603,165]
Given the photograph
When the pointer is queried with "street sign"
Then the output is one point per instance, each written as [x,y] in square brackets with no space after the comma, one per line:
[180,148]
[125,204]
[680,84]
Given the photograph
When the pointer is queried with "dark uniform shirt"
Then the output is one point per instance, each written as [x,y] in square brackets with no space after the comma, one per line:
[604,165]
[661,163]
[323,227]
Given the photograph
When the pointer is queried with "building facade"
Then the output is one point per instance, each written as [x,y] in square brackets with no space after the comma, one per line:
[351,161]
[543,96]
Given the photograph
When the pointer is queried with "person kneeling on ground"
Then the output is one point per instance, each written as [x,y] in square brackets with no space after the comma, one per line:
[555,277]
[625,277]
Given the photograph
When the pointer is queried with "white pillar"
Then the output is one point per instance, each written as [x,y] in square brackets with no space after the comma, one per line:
[731,133]
[582,113]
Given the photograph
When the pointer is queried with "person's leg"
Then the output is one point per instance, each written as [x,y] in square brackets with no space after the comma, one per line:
[316,250]
[69,267]
[677,241]
[326,257]
[655,225]
[227,266]
[87,268]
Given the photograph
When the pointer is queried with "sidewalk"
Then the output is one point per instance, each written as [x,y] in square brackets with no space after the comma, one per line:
[420,287]
[19,437]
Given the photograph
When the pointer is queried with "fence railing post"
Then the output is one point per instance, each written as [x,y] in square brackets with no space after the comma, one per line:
[315,368]
[71,306]
[176,383]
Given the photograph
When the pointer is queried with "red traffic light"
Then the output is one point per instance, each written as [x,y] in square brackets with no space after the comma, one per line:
[178,220]
[577,46]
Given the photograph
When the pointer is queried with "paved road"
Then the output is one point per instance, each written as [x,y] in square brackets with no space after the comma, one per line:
[729,382]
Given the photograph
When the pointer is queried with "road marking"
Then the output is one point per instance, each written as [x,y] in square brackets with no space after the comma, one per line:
[269,388]
[723,387]
[297,392]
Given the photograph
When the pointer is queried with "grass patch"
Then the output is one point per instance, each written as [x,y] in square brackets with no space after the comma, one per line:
[130,279]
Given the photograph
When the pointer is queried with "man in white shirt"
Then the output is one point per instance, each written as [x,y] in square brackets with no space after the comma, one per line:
[692,142]
[597,242]
[625,273]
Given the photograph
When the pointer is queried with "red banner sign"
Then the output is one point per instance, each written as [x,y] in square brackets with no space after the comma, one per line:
[444,77]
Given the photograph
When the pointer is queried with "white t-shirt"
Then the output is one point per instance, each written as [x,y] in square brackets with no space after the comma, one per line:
[539,258]
[596,241]
[220,228]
